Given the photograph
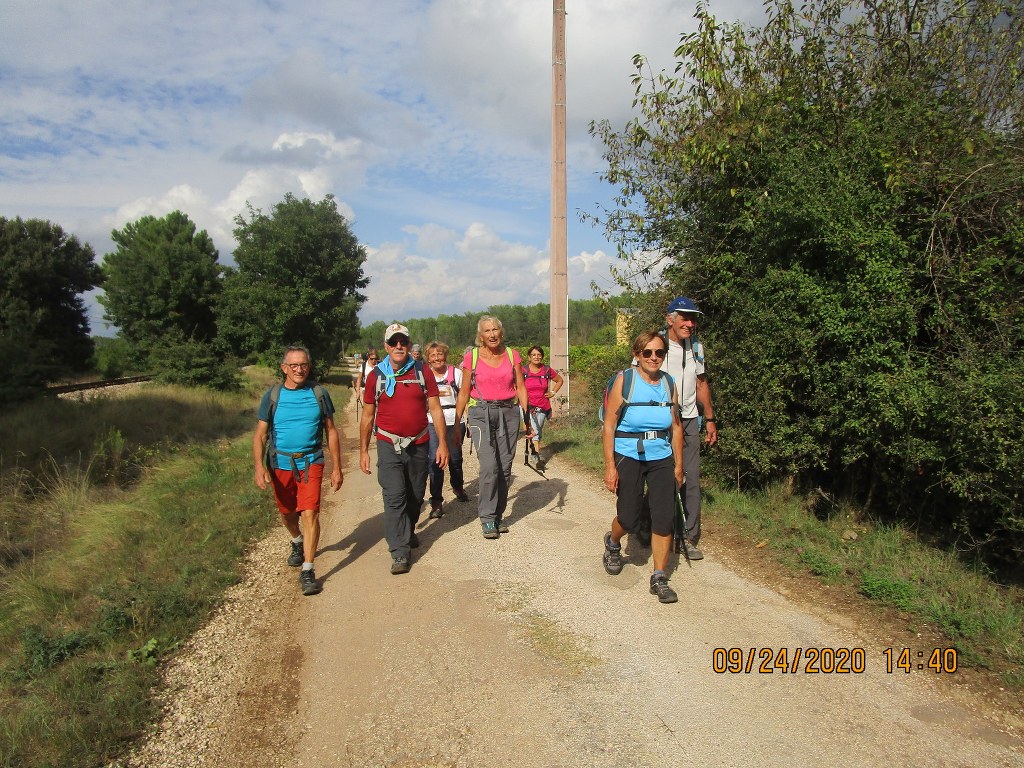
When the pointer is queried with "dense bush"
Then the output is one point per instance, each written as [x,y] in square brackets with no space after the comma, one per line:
[841,192]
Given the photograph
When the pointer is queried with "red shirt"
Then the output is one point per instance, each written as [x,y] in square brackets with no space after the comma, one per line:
[405,413]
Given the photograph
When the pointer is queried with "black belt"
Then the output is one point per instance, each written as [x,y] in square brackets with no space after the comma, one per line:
[499,403]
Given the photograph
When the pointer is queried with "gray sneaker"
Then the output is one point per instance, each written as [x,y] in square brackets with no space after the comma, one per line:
[309,584]
[612,557]
[692,553]
[296,557]
[399,565]
[660,587]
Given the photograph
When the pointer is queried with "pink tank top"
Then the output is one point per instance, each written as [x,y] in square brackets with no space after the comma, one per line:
[493,383]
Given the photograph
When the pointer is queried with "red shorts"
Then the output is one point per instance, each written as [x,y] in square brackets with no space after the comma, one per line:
[294,496]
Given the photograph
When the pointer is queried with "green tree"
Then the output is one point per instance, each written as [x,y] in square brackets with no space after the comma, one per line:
[44,328]
[524,326]
[841,190]
[162,285]
[298,276]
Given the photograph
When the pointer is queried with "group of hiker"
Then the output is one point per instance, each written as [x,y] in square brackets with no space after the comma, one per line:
[420,412]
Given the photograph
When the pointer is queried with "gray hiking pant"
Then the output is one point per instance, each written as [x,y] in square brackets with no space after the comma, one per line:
[403,481]
[494,431]
[691,468]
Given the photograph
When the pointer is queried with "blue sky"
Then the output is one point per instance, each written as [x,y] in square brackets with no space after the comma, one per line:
[429,120]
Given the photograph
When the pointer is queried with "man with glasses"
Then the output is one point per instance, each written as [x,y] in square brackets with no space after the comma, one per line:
[287,450]
[685,364]
[396,398]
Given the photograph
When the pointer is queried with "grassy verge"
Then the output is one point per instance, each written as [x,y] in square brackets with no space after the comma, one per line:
[831,542]
[129,550]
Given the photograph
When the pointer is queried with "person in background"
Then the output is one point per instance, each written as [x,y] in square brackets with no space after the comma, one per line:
[370,359]
[415,352]
[643,446]
[542,382]
[495,376]
[685,364]
[294,468]
[397,416]
[449,383]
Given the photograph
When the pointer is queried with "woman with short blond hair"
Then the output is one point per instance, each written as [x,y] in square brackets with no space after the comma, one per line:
[496,388]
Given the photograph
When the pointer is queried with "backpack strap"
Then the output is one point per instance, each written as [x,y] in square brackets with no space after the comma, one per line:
[628,384]
[420,379]
[476,359]
[449,378]
[271,449]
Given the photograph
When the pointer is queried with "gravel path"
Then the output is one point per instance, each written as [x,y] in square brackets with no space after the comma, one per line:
[523,652]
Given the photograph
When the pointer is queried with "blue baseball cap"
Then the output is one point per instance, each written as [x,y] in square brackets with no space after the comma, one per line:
[683,304]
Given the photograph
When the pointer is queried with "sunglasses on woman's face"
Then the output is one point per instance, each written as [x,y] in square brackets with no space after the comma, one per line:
[658,353]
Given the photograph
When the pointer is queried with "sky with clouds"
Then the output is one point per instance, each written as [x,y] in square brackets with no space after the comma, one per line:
[428,120]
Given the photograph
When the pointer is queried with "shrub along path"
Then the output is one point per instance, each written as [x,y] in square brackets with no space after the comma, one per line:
[523,652]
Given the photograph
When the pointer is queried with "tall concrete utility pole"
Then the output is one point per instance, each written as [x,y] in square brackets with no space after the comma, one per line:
[559,259]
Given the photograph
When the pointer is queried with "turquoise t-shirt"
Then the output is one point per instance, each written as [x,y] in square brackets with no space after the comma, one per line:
[297,425]
[646,418]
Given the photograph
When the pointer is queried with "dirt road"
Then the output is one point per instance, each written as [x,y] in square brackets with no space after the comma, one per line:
[523,652]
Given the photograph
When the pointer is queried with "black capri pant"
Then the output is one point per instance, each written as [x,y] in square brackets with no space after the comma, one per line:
[660,481]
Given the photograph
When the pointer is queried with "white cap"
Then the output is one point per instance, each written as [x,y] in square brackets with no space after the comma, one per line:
[393,330]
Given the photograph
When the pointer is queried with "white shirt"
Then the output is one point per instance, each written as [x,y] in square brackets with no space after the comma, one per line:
[446,393]
[684,376]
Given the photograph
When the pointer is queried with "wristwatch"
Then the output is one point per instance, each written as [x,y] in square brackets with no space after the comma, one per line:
[710,420]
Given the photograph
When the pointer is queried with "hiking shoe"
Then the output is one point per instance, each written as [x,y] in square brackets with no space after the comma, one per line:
[460,495]
[660,587]
[502,526]
[692,553]
[436,512]
[309,584]
[296,557]
[612,557]
[490,530]
[399,565]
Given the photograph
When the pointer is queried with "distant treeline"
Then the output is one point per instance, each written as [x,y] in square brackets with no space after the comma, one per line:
[591,321]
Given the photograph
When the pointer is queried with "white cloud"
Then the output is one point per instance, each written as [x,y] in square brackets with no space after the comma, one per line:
[429,120]
[441,271]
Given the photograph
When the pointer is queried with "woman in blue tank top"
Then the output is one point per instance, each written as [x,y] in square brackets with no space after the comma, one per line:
[643,447]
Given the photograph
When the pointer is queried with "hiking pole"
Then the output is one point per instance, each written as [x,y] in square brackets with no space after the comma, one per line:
[679,528]
[526,462]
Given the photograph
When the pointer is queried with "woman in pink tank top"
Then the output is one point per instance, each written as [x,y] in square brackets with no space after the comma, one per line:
[496,400]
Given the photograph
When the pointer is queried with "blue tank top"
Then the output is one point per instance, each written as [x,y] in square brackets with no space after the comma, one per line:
[644,418]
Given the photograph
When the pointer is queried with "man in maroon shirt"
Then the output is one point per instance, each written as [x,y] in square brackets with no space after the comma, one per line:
[397,395]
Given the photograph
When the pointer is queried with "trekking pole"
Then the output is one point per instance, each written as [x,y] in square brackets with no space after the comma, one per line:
[526,460]
[679,528]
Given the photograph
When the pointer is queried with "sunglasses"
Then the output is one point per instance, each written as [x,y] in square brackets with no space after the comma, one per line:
[658,353]
[399,341]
